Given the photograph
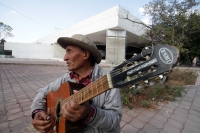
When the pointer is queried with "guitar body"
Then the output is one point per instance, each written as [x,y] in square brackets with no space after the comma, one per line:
[53,100]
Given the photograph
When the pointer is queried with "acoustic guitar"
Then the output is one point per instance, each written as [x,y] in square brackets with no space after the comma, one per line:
[152,62]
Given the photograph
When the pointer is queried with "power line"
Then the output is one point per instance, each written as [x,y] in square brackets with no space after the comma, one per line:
[23,15]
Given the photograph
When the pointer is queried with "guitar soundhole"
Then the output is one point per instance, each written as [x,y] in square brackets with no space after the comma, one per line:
[58,111]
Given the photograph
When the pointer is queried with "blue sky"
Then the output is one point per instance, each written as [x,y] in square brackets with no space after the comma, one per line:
[34,19]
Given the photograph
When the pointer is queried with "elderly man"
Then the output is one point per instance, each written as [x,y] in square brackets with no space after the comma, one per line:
[103,114]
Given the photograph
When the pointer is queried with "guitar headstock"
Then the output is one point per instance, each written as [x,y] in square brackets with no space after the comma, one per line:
[151,62]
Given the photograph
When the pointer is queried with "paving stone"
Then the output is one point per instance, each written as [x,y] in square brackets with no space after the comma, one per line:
[171,105]
[129,129]
[138,110]
[187,99]
[124,110]
[13,111]
[4,127]
[3,118]
[175,123]
[150,129]
[196,104]
[137,123]
[2,113]
[12,107]
[183,110]
[194,112]
[181,114]
[141,131]
[26,108]
[168,110]
[156,123]
[143,118]
[193,118]
[126,118]
[164,113]
[161,131]
[29,119]
[15,116]
[191,129]
[184,106]
[25,104]
[189,95]
[132,113]
[149,112]
[19,128]
[195,108]
[17,122]
[160,118]
[27,113]
[171,129]
[193,123]
[122,123]
[25,100]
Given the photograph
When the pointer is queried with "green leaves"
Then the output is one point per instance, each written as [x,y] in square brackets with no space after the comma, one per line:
[175,23]
[5,31]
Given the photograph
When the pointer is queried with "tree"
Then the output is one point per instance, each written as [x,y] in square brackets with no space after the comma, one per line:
[191,37]
[172,22]
[5,31]
[2,41]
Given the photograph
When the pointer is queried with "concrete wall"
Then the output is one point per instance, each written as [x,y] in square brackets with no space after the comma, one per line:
[30,50]
[58,52]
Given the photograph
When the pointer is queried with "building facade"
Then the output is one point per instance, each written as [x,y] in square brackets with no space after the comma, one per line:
[116,37]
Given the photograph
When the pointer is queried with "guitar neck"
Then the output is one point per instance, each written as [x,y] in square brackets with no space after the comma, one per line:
[92,90]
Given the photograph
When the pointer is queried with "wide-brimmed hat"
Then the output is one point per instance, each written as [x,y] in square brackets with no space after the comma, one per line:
[82,42]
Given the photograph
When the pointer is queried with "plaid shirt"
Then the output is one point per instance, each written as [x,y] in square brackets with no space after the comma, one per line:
[85,80]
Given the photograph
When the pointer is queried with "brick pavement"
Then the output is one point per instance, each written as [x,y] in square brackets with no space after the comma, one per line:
[19,85]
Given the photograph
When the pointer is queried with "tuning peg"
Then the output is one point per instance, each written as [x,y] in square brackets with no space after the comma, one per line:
[134,55]
[139,72]
[135,63]
[161,76]
[128,78]
[132,87]
[152,67]
[147,57]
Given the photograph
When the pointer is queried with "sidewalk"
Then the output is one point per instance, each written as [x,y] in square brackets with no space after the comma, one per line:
[19,84]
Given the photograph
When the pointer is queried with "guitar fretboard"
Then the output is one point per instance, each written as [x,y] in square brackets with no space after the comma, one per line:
[94,89]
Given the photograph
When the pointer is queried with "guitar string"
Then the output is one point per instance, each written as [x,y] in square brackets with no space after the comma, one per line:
[76,96]
[86,88]
[114,73]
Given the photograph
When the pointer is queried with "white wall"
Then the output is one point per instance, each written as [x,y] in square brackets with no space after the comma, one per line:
[30,50]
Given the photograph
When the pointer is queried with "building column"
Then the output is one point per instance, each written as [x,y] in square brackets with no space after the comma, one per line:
[115,46]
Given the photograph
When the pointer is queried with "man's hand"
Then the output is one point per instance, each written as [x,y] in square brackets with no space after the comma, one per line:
[74,112]
[42,122]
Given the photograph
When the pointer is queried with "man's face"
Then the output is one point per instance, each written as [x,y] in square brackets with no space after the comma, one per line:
[74,57]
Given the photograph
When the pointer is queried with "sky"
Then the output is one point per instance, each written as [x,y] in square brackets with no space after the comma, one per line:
[35,19]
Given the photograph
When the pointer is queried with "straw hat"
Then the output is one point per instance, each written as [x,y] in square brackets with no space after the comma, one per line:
[82,42]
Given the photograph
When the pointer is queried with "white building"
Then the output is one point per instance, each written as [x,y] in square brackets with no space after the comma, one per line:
[113,34]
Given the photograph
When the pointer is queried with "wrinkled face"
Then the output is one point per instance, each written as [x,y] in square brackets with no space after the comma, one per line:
[75,57]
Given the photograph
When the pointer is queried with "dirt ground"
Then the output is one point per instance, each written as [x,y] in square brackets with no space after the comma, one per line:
[171,88]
